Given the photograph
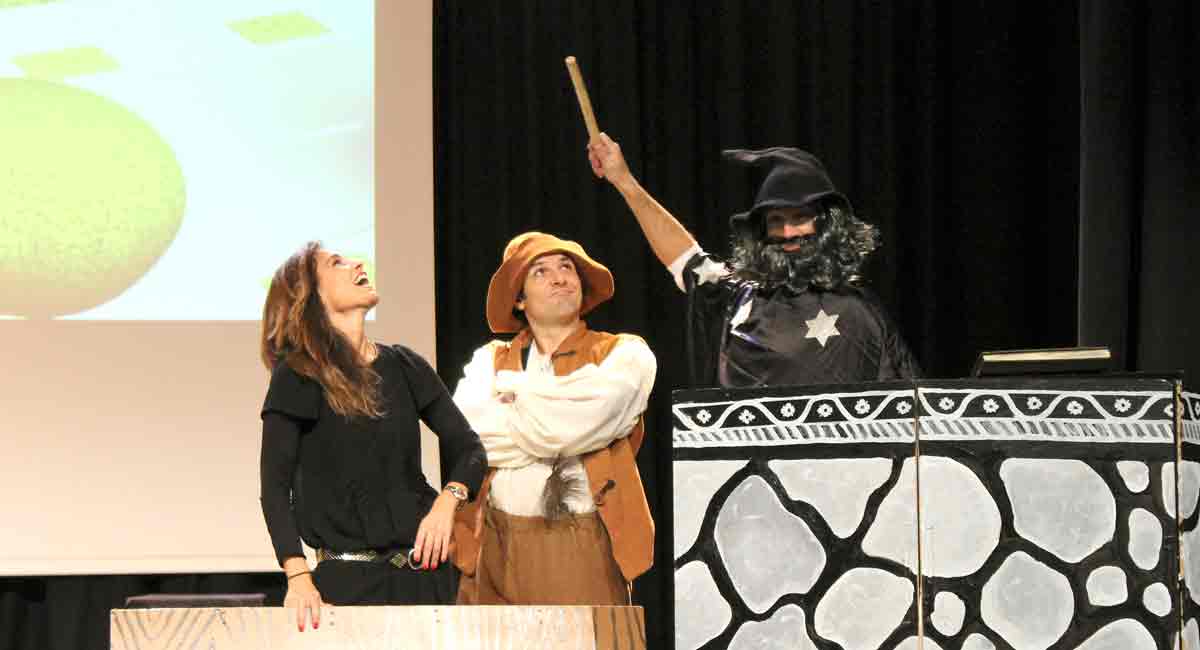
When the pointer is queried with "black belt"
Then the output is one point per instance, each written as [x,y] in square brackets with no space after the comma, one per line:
[400,557]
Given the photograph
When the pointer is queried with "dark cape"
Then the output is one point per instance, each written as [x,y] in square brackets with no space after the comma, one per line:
[740,335]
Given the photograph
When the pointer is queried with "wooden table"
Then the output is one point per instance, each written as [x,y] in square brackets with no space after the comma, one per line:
[380,628]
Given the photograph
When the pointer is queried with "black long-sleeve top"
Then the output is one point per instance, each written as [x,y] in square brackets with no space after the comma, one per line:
[348,484]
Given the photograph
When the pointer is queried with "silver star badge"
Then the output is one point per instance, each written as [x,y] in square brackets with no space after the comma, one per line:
[822,327]
[710,271]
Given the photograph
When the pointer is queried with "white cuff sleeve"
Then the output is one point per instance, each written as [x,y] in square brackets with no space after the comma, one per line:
[676,268]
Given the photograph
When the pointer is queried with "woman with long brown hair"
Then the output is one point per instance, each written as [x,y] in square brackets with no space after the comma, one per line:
[341,448]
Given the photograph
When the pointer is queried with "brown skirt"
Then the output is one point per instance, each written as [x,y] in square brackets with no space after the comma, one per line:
[536,561]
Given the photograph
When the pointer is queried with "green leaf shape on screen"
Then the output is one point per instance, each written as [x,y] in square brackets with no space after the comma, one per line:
[265,30]
[92,197]
[62,64]
[9,4]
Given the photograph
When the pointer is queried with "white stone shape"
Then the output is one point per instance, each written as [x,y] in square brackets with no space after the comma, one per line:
[1106,586]
[838,488]
[768,551]
[1125,634]
[700,611]
[948,613]
[1135,473]
[961,522]
[911,643]
[1157,599]
[842,615]
[1191,636]
[978,642]
[785,630]
[1189,488]
[694,483]
[1189,547]
[1027,603]
[1145,538]
[1062,506]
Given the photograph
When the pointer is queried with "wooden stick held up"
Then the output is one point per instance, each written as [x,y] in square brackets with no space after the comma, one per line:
[585,104]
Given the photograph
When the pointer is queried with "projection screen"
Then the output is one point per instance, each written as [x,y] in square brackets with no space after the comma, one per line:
[158,161]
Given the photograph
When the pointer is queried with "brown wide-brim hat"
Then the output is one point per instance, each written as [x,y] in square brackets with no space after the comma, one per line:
[509,279]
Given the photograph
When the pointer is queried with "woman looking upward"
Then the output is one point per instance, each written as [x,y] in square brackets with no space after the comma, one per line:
[341,447]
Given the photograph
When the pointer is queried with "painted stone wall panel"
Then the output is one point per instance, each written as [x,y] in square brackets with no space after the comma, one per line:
[1071,533]
[1047,515]
[1189,492]
[775,492]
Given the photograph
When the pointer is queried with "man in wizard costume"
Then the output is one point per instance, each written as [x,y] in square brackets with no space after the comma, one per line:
[789,306]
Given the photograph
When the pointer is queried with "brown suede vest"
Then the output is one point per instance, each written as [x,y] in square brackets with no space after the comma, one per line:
[612,472]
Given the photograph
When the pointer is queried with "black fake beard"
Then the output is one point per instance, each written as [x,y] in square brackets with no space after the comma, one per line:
[767,263]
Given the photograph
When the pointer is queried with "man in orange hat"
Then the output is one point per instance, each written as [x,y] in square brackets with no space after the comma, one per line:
[561,518]
[790,305]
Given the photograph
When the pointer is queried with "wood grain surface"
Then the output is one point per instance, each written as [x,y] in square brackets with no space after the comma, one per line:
[377,628]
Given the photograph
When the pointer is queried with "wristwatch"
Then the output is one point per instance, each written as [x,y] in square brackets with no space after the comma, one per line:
[458,492]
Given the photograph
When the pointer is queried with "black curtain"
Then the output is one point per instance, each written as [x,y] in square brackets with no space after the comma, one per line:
[1030,170]
[953,127]
[1140,183]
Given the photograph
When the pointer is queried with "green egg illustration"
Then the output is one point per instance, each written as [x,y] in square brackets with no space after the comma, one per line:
[91,196]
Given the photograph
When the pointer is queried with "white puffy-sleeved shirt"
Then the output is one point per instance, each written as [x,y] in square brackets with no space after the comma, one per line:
[532,419]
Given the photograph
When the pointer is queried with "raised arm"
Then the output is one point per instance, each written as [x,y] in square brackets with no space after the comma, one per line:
[666,235]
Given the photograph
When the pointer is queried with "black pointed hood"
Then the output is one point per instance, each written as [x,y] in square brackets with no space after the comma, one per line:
[795,178]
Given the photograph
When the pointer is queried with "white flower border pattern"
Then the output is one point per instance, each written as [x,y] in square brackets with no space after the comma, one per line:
[851,418]
[965,414]
[1047,415]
